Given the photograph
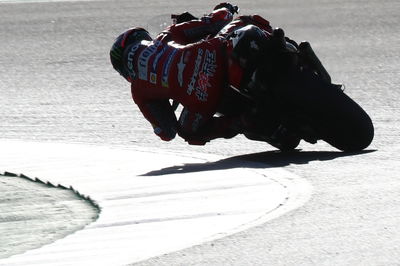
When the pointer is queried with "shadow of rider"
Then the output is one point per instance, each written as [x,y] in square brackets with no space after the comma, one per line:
[262,160]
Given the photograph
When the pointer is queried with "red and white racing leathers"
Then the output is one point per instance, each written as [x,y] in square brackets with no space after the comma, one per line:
[184,65]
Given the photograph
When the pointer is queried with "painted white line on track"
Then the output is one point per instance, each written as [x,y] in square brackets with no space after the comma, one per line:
[153,202]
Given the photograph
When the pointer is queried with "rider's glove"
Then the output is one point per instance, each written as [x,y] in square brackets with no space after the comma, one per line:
[232,8]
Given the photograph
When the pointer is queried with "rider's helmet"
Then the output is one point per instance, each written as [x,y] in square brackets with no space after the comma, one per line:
[129,38]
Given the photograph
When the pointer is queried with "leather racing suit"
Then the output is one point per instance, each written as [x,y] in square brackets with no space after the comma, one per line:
[189,63]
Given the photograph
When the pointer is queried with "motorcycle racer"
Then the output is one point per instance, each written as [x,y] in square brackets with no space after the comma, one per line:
[191,62]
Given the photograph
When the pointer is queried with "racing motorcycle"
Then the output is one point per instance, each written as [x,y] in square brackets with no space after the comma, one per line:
[291,98]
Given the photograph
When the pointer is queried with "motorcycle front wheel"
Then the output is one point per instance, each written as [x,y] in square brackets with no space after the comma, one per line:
[336,118]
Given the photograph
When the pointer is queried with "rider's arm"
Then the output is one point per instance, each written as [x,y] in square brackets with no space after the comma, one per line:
[160,114]
[197,29]
[242,21]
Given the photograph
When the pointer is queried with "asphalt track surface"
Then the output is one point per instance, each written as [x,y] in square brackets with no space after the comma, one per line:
[57,86]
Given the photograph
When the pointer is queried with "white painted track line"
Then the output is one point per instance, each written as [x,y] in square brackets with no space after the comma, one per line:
[152,202]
